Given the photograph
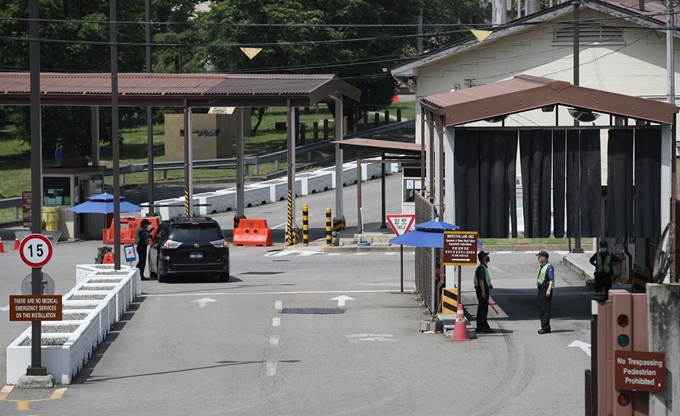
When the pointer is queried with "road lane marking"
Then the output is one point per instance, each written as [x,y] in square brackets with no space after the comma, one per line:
[278,305]
[271,368]
[22,405]
[341,300]
[274,340]
[4,308]
[496,269]
[584,346]
[298,292]
[370,337]
[5,391]
[276,321]
[203,302]
[58,393]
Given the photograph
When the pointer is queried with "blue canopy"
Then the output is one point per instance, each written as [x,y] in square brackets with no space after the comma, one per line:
[103,204]
[428,234]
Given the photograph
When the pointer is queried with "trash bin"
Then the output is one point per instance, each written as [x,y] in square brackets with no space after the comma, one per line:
[335,238]
[51,218]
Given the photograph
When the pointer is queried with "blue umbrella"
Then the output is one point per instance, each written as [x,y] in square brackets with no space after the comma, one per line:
[428,234]
[103,204]
[436,226]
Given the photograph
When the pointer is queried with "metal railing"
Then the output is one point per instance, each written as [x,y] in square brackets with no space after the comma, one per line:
[11,203]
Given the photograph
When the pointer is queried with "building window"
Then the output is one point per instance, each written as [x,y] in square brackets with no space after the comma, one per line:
[589,35]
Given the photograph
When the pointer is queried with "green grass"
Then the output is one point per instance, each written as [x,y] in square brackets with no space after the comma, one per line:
[15,160]
[521,240]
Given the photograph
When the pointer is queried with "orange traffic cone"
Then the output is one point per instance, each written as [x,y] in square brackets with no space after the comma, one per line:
[460,330]
[16,243]
[2,246]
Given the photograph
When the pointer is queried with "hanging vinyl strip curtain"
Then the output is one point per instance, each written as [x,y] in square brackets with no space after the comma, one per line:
[647,183]
[559,181]
[536,163]
[619,211]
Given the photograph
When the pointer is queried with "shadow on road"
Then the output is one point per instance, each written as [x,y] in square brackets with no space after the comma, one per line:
[571,303]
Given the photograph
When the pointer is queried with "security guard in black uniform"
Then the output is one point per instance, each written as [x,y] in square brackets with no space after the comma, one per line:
[142,241]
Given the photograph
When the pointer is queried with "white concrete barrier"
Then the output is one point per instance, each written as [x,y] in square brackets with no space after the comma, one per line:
[113,291]
[315,182]
[278,188]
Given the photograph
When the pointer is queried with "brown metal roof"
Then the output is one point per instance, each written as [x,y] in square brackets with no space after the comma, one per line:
[523,93]
[383,146]
[200,90]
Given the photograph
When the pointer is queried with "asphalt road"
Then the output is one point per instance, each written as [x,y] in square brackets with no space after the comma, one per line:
[210,348]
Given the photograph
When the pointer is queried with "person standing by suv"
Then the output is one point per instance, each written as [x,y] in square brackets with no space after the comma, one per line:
[142,241]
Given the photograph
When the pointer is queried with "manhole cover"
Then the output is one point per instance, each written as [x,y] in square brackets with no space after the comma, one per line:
[262,273]
[313,311]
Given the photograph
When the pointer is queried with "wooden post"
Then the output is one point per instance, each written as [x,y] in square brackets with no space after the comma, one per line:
[398,115]
[315,129]
[387,117]
[325,129]
[365,126]
[377,119]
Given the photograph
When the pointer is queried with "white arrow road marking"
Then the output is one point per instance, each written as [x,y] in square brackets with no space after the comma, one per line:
[4,308]
[274,340]
[276,321]
[203,302]
[341,299]
[370,337]
[278,305]
[271,368]
[582,345]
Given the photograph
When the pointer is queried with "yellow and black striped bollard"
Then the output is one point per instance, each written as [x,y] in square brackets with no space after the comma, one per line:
[328,227]
[305,225]
[289,223]
[186,202]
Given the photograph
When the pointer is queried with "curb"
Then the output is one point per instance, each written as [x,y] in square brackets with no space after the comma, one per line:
[567,261]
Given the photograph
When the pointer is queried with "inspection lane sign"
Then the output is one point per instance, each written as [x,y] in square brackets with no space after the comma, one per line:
[460,248]
[35,308]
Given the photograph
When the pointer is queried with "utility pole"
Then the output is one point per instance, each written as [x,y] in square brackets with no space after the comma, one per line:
[419,43]
[576,4]
[149,110]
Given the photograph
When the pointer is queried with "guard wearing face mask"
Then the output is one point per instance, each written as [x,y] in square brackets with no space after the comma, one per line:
[604,263]
[483,288]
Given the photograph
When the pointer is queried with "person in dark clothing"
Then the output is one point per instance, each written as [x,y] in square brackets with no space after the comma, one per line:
[545,281]
[142,241]
[604,263]
[483,288]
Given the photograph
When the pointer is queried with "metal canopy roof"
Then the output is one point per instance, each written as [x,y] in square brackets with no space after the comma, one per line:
[523,93]
[173,90]
[382,146]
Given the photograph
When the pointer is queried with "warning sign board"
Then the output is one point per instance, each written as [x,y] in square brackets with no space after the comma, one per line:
[35,308]
[400,223]
[460,248]
[639,371]
[26,202]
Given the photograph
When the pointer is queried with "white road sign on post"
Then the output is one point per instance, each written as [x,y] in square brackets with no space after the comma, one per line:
[35,250]
[400,223]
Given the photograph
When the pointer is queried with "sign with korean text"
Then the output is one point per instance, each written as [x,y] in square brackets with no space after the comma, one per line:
[35,308]
[639,371]
[460,248]
[400,223]
[26,208]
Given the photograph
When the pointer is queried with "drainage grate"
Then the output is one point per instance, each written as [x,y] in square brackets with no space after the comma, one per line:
[263,273]
[313,311]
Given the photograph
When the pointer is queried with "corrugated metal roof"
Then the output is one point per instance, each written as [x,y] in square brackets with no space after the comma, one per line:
[524,93]
[187,86]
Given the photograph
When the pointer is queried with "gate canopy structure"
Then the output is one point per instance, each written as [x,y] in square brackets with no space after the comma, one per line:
[189,91]
[560,164]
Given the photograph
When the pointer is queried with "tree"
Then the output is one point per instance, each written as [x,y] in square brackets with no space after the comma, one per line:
[79,45]
[462,12]
[302,48]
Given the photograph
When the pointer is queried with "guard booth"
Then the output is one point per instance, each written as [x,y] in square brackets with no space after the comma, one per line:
[66,186]
[411,184]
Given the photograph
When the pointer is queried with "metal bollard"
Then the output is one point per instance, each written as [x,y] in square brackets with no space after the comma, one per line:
[305,225]
[328,227]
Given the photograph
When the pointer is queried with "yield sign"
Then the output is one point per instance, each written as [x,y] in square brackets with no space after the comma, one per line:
[400,223]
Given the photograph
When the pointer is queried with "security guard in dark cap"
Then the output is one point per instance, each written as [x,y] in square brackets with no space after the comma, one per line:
[482,287]
[545,281]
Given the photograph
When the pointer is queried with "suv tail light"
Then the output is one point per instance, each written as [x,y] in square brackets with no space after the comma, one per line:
[219,243]
[171,244]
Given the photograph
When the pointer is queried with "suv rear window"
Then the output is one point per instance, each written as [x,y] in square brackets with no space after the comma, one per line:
[193,233]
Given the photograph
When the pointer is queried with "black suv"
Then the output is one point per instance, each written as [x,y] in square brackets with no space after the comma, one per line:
[184,246]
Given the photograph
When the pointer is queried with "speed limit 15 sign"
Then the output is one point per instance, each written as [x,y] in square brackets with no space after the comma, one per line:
[35,250]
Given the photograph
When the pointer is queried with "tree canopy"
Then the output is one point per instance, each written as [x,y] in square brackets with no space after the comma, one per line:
[355,39]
